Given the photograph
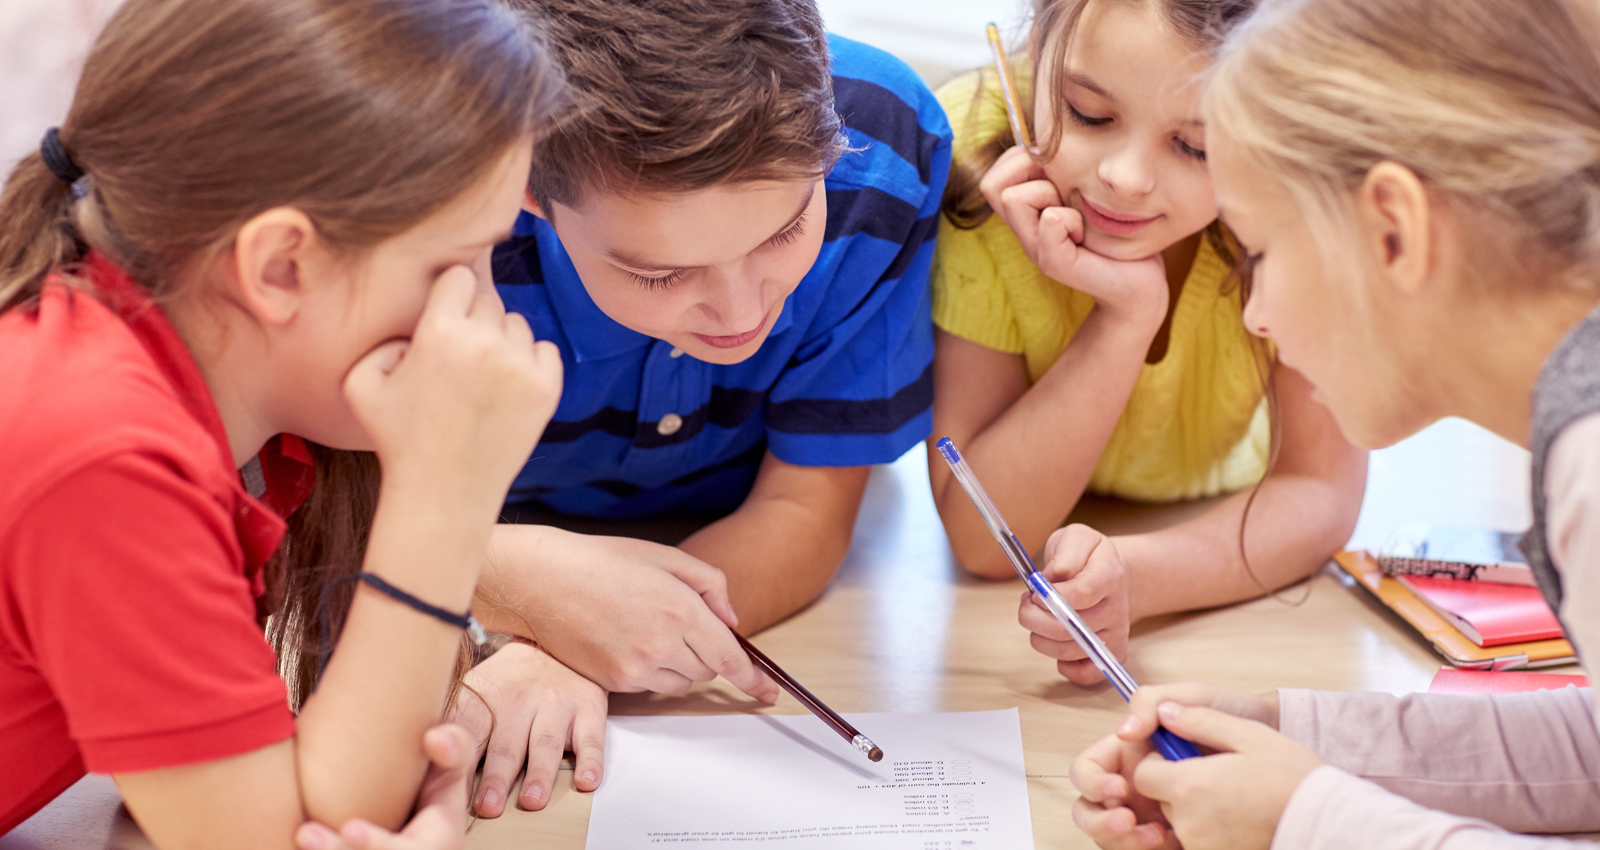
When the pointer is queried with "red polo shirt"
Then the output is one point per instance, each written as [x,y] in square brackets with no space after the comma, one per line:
[130,552]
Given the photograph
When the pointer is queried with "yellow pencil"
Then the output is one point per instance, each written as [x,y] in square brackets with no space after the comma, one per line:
[1019,128]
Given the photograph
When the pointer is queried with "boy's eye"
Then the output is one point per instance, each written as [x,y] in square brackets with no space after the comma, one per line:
[1190,151]
[790,233]
[662,282]
[1079,118]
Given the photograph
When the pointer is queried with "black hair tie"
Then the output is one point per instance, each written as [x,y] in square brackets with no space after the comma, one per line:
[56,158]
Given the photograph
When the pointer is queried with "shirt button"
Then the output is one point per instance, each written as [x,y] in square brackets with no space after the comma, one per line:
[669,424]
[675,353]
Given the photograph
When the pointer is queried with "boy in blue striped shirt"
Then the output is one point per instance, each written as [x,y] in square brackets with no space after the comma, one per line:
[729,239]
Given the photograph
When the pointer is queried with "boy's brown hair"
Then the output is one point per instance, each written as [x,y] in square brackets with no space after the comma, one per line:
[681,95]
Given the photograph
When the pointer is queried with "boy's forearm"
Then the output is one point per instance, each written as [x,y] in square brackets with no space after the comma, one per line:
[779,552]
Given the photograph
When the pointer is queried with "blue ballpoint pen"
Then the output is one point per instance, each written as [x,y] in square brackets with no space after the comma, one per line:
[1170,745]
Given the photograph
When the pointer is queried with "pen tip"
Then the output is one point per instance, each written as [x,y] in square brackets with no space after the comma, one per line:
[875,754]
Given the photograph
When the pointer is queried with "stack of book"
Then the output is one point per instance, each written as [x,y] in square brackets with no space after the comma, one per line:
[1468,592]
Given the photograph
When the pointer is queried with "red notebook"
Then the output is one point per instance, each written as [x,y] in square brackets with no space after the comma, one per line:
[1489,614]
[1452,681]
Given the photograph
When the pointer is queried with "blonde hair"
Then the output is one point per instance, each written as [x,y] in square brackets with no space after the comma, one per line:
[1494,105]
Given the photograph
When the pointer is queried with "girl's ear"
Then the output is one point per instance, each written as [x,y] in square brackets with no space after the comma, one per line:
[271,254]
[1394,215]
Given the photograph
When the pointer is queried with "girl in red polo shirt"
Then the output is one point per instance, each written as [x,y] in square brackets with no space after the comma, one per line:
[261,218]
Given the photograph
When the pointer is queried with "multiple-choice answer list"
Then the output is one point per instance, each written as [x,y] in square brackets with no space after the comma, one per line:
[947,781]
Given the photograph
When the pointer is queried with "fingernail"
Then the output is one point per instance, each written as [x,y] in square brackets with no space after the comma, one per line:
[1149,835]
[1130,724]
[310,839]
[490,799]
[1169,711]
[534,792]
[587,777]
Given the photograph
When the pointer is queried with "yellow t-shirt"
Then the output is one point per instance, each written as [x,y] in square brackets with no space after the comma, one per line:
[1196,424]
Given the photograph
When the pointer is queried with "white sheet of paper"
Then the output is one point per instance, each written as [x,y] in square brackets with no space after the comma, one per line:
[949,780]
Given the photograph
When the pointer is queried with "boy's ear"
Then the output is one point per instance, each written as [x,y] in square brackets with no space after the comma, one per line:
[1395,217]
[271,254]
[531,204]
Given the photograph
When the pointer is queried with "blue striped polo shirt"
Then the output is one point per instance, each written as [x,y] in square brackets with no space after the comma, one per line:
[843,379]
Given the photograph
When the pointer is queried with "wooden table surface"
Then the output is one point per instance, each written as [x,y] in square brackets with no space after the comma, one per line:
[901,629]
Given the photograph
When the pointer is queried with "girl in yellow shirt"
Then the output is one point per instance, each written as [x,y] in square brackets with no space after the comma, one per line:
[1090,336]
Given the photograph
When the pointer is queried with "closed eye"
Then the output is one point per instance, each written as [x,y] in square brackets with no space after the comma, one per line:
[663,282]
[1079,118]
[789,234]
[1190,151]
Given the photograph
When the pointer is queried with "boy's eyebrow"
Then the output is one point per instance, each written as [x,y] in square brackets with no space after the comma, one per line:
[622,258]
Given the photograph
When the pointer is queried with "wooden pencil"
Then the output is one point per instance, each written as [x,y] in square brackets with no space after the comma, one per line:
[812,704]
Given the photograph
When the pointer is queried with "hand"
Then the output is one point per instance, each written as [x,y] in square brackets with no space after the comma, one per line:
[1086,569]
[441,819]
[523,707]
[1233,799]
[630,615]
[1109,809]
[1051,233]
[464,400]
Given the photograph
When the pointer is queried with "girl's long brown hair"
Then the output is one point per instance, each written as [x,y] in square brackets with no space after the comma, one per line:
[193,116]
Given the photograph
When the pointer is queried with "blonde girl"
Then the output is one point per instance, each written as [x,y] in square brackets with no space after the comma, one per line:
[1089,335]
[263,223]
[1419,181]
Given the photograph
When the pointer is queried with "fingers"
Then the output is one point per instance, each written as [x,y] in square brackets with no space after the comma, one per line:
[1118,828]
[1060,234]
[454,759]
[1021,207]
[1097,772]
[718,649]
[506,752]
[589,746]
[365,378]
[1068,550]
[1141,721]
[1211,728]
[707,581]
[1011,168]
[473,715]
[455,294]
[546,745]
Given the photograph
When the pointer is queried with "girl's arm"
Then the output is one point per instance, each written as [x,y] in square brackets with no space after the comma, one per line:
[452,414]
[1305,510]
[1034,447]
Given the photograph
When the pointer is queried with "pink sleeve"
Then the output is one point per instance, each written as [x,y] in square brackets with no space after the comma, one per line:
[1526,762]
[1332,809]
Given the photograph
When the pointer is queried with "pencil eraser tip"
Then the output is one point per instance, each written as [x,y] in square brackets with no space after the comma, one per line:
[876,754]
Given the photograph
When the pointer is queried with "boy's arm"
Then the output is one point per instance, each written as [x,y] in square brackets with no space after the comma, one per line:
[783,545]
